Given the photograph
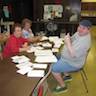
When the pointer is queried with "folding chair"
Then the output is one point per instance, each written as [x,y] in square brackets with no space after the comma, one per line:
[84,75]
[40,87]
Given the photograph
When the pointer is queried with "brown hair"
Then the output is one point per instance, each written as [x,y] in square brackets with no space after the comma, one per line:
[16,25]
[24,21]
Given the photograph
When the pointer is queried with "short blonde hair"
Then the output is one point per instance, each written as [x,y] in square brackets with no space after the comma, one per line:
[24,21]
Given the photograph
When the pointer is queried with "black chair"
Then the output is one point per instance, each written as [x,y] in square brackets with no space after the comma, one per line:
[51,28]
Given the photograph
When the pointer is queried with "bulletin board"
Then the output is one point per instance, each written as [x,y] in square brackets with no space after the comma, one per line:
[6,12]
[52,11]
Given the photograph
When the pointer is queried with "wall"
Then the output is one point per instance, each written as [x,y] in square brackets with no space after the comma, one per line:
[20,9]
[75,5]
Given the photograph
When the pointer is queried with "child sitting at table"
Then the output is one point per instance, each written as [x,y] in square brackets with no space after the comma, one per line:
[27,31]
[16,43]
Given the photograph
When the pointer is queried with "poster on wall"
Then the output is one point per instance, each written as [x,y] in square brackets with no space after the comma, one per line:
[6,12]
[52,11]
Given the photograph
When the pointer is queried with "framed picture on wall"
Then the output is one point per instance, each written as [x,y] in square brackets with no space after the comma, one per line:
[6,12]
[52,11]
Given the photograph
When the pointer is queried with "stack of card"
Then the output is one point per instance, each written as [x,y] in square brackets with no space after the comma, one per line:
[20,59]
[26,67]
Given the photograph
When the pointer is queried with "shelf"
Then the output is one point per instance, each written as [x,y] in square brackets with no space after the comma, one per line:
[88,13]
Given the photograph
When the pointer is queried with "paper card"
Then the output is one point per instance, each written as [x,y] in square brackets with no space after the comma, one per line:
[25,64]
[40,66]
[24,70]
[57,45]
[39,44]
[53,38]
[30,51]
[20,59]
[36,73]
[39,48]
[55,50]
[47,44]
[43,52]
[33,49]
[46,59]
[15,57]
[44,38]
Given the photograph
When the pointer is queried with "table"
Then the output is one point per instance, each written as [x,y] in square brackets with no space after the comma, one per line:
[14,84]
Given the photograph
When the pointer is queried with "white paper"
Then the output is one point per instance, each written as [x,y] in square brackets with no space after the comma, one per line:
[43,52]
[57,41]
[57,45]
[53,38]
[46,59]
[36,73]
[47,44]
[20,59]
[15,57]
[33,49]
[55,50]
[39,44]
[39,48]
[44,38]
[25,64]
[40,66]
[24,70]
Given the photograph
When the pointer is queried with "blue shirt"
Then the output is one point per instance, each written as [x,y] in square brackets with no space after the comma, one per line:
[26,34]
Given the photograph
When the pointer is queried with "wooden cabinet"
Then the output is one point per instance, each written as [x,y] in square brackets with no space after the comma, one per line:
[88,11]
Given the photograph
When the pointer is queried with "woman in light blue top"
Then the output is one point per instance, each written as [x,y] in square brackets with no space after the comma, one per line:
[27,31]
